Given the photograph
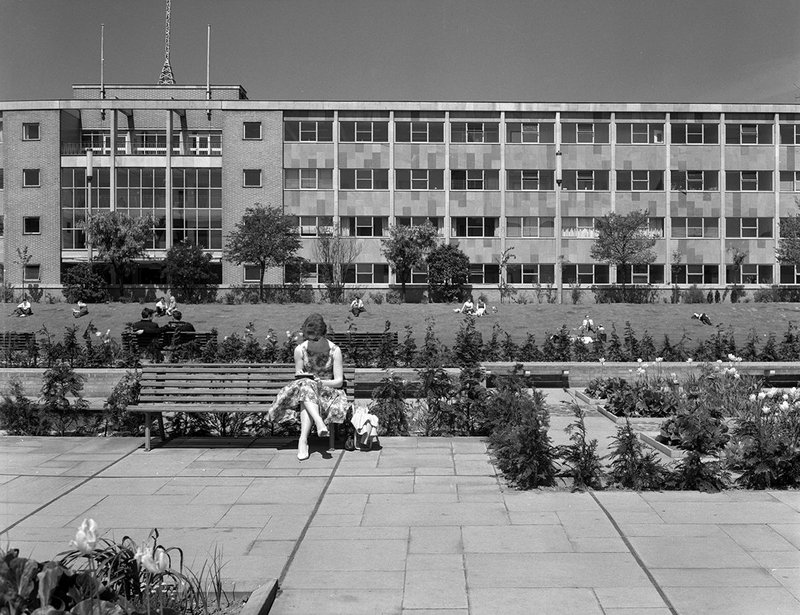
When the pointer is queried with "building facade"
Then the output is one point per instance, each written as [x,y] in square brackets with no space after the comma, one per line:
[525,179]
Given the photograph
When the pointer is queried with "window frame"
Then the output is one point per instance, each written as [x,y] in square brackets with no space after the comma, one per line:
[422,182]
[308,131]
[364,179]
[585,273]
[531,131]
[532,274]
[695,133]
[25,173]
[652,273]
[748,227]
[484,273]
[415,131]
[695,273]
[475,180]
[748,181]
[27,127]
[364,131]
[247,280]
[245,173]
[475,132]
[37,267]
[527,222]
[304,177]
[748,273]
[653,179]
[544,180]
[571,179]
[30,219]
[651,131]
[704,225]
[687,181]
[468,226]
[251,124]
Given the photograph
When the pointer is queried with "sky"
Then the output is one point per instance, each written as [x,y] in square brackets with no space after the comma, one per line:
[715,51]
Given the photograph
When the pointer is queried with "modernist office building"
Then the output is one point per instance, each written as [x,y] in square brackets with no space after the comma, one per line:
[714,179]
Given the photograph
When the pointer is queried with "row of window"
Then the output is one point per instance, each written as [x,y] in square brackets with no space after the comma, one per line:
[528,180]
[377,131]
[537,226]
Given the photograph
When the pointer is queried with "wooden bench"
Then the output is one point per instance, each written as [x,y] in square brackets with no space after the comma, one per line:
[11,341]
[540,376]
[169,339]
[782,378]
[358,340]
[208,387]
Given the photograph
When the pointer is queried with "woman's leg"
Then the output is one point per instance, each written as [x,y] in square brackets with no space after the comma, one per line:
[305,429]
[312,410]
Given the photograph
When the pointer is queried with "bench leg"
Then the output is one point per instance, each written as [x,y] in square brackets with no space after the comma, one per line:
[162,433]
[331,436]
[147,425]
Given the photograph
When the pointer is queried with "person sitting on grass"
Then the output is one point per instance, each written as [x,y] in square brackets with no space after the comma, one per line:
[468,307]
[172,305]
[80,310]
[161,307]
[480,310]
[357,306]
[24,308]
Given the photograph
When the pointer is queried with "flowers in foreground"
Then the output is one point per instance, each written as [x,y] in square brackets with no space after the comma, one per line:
[85,537]
[153,560]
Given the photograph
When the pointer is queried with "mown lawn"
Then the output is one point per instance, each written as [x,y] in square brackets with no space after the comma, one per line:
[657,319]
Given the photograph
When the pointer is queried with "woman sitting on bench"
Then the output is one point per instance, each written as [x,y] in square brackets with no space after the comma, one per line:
[316,394]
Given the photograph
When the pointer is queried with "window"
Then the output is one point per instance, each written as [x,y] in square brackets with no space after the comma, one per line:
[364,132]
[748,180]
[529,226]
[641,274]
[530,273]
[31,225]
[640,181]
[640,133]
[419,132]
[251,178]
[197,143]
[475,227]
[474,132]
[584,274]
[790,134]
[367,273]
[484,273]
[584,132]
[30,178]
[252,274]
[584,180]
[364,226]
[364,179]
[251,130]
[695,274]
[748,274]
[748,134]
[748,227]
[419,179]
[695,134]
[691,181]
[99,141]
[308,179]
[530,132]
[579,227]
[435,222]
[300,273]
[531,179]
[317,131]
[790,181]
[474,179]
[310,226]
[31,273]
[196,206]
[683,228]
[30,131]
[790,274]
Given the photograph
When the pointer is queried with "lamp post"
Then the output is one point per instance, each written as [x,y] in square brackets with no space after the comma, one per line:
[559,260]
[89,171]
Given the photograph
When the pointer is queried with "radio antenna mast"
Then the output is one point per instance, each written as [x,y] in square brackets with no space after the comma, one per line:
[166,78]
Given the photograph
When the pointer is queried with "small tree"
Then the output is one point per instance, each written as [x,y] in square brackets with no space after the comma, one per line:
[23,258]
[406,247]
[624,241]
[187,270]
[119,240]
[788,250]
[448,273]
[336,255]
[264,237]
[506,290]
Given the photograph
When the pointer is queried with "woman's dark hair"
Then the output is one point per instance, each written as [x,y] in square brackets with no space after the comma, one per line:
[314,327]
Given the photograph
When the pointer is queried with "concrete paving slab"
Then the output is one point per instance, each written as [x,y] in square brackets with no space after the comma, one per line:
[733,601]
[527,600]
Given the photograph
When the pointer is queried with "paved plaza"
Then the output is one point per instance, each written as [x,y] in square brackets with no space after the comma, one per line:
[424,525]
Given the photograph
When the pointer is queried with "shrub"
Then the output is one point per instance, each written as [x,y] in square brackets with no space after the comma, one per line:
[575,293]
[20,416]
[115,409]
[518,439]
[376,298]
[633,467]
[581,457]
[389,405]
[633,293]
[60,383]
[83,283]
[693,295]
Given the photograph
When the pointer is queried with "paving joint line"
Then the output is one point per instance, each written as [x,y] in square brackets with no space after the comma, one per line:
[633,552]
[311,517]
[68,491]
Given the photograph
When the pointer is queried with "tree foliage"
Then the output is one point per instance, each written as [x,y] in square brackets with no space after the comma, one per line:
[336,255]
[188,271]
[448,273]
[406,248]
[624,240]
[119,240]
[264,237]
[788,250]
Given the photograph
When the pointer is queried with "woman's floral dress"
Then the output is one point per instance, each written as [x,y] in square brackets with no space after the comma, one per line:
[333,403]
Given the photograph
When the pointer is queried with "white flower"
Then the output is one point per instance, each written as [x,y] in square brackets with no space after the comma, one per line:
[761,395]
[153,561]
[659,359]
[85,537]
[639,360]
[689,360]
[752,397]
[641,370]
[784,406]
[766,410]
[602,360]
